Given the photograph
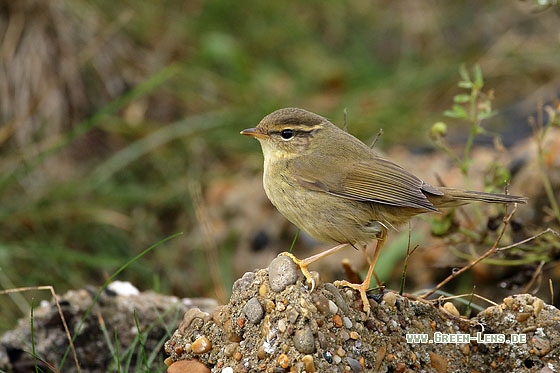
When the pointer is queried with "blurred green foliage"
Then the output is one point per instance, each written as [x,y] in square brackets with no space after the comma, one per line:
[166,102]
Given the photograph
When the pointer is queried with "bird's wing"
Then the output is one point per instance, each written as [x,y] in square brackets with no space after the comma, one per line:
[375,180]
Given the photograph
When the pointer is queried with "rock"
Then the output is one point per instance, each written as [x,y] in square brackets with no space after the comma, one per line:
[244,282]
[123,313]
[450,307]
[253,310]
[201,345]
[304,341]
[190,315]
[188,366]
[282,272]
[309,363]
[354,365]
[438,362]
[301,332]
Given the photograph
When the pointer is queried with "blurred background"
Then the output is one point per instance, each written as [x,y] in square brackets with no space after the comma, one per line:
[120,120]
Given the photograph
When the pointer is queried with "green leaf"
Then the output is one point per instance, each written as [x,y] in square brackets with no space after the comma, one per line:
[451,114]
[478,130]
[466,85]
[487,114]
[460,111]
[461,99]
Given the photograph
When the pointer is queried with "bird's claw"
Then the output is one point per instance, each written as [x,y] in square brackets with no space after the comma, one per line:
[362,289]
[312,281]
[302,264]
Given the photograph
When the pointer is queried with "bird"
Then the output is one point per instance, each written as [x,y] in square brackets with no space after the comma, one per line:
[340,191]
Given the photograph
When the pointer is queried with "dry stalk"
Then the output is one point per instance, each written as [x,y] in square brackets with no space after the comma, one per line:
[60,313]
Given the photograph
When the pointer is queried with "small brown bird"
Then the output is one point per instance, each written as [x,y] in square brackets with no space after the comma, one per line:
[337,189]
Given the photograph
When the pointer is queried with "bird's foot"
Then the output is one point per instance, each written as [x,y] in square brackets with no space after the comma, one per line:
[303,264]
[362,289]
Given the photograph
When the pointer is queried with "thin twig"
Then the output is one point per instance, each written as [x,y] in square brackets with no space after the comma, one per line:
[547,230]
[536,274]
[471,295]
[409,252]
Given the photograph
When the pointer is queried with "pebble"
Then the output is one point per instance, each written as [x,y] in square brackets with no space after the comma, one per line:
[292,315]
[337,321]
[263,290]
[244,283]
[227,370]
[123,288]
[201,345]
[269,305]
[281,325]
[321,302]
[188,366]
[450,307]
[282,272]
[284,361]
[304,341]
[340,302]
[322,339]
[230,349]
[400,367]
[261,353]
[541,346]
[230,332]
[509,302]
[347,322]
[253,310]
[523,316]
[390,298]
[333,307]
[354,364]
[438,362]
[189,316]
[309,363]
[379,356]
[341,352]
[538,306]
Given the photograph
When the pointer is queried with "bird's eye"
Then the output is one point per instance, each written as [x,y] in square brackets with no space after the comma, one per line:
[287,134]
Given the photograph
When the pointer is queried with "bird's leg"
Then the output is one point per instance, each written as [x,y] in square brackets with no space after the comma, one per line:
[369,260]
[364,286]
[304,263]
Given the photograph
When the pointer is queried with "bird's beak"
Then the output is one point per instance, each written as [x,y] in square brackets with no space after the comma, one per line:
[254,132]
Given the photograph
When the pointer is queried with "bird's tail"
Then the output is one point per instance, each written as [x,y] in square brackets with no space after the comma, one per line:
[456,197]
